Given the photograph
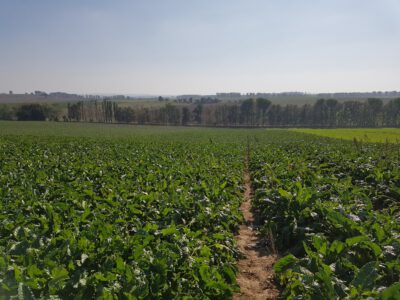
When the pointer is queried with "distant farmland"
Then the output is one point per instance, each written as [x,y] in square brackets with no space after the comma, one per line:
[371,135]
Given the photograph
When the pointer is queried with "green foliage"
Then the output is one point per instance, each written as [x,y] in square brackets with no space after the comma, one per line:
[118,219]
[370,135]
[392,292]
[149,213]
[334,209]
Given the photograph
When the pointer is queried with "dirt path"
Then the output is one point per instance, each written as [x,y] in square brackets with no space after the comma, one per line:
[255,268]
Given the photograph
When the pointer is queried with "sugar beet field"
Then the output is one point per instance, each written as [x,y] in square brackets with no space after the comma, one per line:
[123,212]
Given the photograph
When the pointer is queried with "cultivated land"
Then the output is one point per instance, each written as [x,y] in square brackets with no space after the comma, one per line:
[130,212]
[371,135]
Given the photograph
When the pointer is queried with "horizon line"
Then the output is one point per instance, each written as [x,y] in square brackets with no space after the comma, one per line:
[295,93]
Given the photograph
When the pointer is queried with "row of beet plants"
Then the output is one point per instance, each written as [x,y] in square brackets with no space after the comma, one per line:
[93,218]
[333,210]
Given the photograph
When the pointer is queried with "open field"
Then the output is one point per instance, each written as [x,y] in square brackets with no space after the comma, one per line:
[140,212]
[128,132]
[94,130]
[371,135]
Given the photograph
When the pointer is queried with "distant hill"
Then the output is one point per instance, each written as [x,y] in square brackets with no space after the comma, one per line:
[297,98]
[57,97]
[39,97]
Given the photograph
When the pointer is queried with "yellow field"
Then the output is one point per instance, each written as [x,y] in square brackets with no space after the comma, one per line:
[372,135]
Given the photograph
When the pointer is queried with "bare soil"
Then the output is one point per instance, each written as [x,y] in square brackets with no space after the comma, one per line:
[256,267]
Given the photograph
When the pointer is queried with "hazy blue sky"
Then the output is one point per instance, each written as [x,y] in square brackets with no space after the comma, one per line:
[199,46]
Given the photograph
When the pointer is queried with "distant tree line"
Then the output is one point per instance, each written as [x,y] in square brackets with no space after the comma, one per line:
[29,112]
[253,112]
